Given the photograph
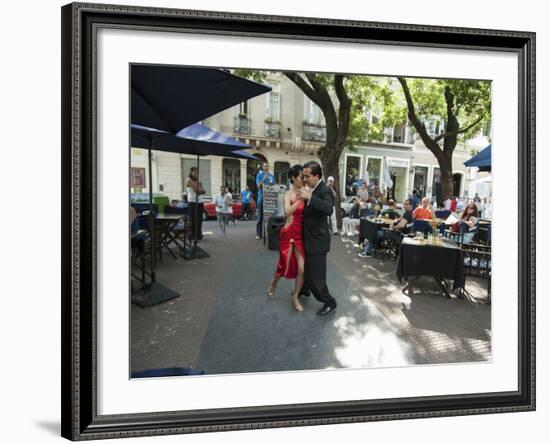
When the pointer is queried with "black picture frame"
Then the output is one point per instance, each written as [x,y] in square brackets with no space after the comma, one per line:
[80,420]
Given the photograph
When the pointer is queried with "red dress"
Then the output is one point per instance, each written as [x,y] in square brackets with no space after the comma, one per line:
[289,238]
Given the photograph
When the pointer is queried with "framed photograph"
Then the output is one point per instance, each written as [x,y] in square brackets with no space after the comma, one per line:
[137,177]
[274,221]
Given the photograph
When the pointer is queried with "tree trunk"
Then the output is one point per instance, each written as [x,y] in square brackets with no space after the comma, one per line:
[447,184]
[330,168]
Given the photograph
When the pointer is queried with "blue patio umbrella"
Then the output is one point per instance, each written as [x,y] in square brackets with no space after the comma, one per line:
[241,154]
[197,139]
[482,160]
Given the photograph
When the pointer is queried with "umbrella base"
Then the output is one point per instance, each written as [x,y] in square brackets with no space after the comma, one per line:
[153,293]
[194,252]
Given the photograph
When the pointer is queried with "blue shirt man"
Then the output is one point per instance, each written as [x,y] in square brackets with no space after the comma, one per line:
[414,199]
[264,177]
[246,195]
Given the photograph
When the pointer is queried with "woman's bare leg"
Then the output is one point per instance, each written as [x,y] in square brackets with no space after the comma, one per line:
[273,286]
[299,281]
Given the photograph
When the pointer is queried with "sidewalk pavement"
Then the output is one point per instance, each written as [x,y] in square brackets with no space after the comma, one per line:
[223,322]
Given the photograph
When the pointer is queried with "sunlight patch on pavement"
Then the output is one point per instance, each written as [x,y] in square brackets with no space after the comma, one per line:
[369,345]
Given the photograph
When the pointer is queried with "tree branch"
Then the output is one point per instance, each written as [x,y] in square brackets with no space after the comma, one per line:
[341,93]
[344,110]
[460,131]
[418,125]
[299,81]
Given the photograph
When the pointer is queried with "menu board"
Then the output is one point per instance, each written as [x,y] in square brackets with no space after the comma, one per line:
[270,197]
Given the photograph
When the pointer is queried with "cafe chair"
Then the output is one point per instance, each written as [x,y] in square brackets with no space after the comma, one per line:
[442,214]
[140,250]
[391,243]
[422,226]
[464,236]
[181,231]
[477,263]
[140,207]
[484,234]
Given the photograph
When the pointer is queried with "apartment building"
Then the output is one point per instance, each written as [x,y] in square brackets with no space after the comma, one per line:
[286,128]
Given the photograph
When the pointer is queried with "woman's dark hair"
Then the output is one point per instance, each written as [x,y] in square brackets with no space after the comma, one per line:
[295,172]
[191,170]
[465,212]
[315,168]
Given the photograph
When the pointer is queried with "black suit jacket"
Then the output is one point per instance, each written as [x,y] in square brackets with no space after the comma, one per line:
[316,232]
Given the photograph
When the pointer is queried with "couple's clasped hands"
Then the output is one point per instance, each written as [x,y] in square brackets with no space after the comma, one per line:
[304,193]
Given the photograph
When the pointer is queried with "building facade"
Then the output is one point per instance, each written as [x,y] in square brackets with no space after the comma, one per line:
[286,128]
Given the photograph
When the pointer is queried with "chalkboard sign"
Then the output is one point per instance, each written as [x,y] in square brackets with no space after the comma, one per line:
[272,199]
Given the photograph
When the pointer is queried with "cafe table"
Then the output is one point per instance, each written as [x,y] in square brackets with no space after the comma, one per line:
[166,223]
[423,257]
[368,227]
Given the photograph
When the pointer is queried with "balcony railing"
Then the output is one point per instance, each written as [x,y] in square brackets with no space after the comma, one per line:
[241,125]
[273,130]
[314,132]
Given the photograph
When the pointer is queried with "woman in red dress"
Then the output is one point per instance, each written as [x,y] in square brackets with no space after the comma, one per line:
[291,245]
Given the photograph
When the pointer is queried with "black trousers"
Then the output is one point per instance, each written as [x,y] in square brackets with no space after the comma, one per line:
[316,278]
[246,211]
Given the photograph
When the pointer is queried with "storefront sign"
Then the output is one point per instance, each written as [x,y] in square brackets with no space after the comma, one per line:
[398,163]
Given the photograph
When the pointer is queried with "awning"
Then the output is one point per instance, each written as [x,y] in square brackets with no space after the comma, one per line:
[481,160]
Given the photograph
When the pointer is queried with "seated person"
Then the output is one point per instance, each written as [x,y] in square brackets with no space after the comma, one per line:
[404,224]
[468,223]
[350,222]
[391,212]
[423,211]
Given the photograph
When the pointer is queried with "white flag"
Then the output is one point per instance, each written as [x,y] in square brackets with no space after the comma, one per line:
[387,176]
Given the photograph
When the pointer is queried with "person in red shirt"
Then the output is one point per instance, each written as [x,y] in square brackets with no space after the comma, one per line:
[454,203]
[423,212]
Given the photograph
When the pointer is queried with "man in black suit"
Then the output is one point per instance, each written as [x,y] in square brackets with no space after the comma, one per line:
[319,206]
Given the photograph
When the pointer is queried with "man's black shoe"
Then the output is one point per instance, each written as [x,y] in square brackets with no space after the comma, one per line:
[326,309]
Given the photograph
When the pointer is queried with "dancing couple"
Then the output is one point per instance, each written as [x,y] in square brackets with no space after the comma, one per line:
[304,240]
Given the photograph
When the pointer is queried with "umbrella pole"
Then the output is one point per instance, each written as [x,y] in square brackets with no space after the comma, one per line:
[151,217]
[152,293]
[196,224]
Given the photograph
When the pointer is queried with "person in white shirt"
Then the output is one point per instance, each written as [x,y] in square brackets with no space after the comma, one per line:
[333,223]
[223,203]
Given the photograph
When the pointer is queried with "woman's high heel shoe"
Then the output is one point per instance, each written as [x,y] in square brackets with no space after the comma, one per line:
[296,304]
[271,291]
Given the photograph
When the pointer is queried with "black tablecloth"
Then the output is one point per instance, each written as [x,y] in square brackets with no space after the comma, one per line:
[368,229]
[439,261]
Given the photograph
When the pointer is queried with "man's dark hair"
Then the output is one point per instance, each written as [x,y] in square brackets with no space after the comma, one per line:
[415,192]
[315,168]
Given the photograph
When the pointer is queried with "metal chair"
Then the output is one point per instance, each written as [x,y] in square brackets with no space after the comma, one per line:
[477,262]
[391,243]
